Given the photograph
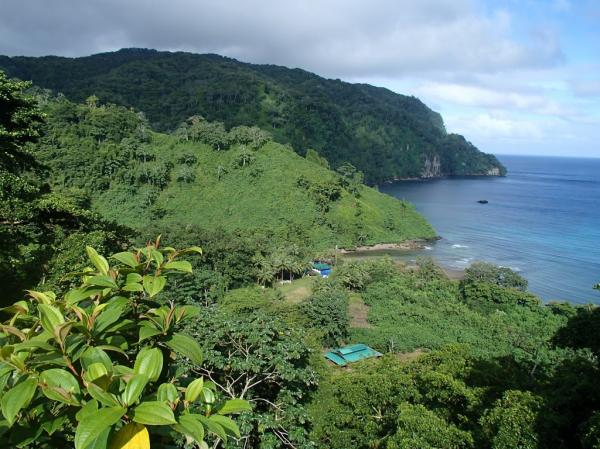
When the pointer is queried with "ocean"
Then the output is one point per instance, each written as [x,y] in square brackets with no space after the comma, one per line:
[542,220]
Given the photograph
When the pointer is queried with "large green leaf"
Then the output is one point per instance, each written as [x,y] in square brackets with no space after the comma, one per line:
[179,265]
[147,331]
[194,389]
[157,256]
[17,398]
[192,249]
[226,423]
[149,362]
[213,427]
[99,261]
[50,317]
[102,396]
[42,298]
[92,426]
[208,396]
[186,346]
[95,371]
[126,258]
[60,385]
[234,406]
[154,284]
[133,287]
[111,313]
[79,294]
[102,281]
[192,426]
[154,413]
[167,393]
[96,355]
[134,388]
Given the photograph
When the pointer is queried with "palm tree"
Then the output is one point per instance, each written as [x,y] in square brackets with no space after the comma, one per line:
[265,273]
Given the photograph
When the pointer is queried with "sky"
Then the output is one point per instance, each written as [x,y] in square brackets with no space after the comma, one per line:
[513,76]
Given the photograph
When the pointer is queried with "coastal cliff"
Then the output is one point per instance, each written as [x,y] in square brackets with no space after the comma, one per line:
[432,167]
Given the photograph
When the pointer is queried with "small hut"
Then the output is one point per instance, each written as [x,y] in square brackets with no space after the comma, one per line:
[351,353]
[323,269]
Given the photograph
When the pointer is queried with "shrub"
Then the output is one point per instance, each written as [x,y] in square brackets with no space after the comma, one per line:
[97,366]
[327,311]
[492,274]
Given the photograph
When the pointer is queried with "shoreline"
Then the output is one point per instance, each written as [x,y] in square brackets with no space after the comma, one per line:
[406,245]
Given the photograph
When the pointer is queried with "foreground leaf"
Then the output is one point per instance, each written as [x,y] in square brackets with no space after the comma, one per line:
[131,436]
[126,258]
[149,362]
[194,389]
[179,265]
[154,413]
[186,346]
[134,389]
[192,426]
[154,284]
[60,385]
[94,425]
[234,406]
[16,398]
[99,261]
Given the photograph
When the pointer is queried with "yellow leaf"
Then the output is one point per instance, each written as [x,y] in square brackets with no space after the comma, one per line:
[131,436]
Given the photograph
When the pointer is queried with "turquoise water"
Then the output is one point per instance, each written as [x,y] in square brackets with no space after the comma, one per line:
[542,220]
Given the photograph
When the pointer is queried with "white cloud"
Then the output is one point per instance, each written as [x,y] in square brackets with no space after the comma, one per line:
[473,95]
[489,126]
[337,38]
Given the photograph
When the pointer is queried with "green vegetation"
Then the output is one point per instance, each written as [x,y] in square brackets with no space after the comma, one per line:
[494,372]
[96,367]
[383,134]
[147,349]
[42,233]
[238,180]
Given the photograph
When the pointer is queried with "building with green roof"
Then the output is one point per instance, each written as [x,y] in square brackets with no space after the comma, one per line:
[351,353]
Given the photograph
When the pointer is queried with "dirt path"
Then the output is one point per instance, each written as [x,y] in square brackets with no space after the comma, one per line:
[358,312]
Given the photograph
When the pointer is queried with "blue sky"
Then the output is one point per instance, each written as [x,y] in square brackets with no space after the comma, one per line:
[513,76]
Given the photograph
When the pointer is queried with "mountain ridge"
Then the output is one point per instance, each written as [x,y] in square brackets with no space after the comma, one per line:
[386,135]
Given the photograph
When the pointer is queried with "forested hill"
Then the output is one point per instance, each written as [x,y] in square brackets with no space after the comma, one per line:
[384,134]
[205,177]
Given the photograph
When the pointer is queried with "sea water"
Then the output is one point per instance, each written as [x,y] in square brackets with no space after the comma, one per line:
[541,220]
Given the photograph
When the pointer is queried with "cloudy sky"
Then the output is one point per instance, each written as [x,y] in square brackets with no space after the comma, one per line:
[513,76]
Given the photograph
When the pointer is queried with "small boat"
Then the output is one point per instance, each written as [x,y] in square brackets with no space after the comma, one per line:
[482,201]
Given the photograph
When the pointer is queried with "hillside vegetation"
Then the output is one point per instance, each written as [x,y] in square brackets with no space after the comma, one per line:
[205,177]
[383,134]
[169,344]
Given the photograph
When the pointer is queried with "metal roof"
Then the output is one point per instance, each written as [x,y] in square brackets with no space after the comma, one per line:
[321,266]
[351,353]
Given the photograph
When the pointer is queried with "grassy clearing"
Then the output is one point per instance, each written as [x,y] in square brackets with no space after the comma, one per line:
[358,312]
[297,291]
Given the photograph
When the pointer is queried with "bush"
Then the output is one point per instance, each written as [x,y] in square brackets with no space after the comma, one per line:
[97,366]
[492,274]
[327,311]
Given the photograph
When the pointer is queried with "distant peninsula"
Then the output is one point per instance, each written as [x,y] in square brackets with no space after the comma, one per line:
[387,136]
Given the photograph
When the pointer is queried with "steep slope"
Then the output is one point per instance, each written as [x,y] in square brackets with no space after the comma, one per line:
[386,135]
[108,156]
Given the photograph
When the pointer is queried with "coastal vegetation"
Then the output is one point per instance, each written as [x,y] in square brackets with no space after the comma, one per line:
[159,346]
[385,135]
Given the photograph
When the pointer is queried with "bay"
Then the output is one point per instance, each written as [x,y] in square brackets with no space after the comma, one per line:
[542,220]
